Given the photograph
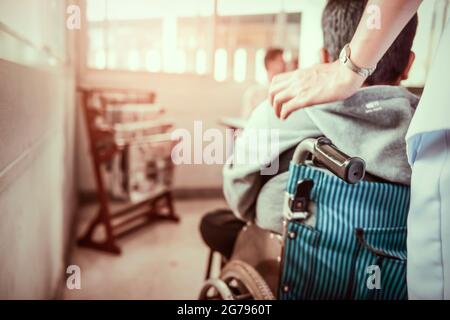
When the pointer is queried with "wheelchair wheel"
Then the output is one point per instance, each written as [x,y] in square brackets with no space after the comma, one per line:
[238,281]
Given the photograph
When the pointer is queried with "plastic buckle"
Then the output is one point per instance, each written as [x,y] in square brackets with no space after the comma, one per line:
[299,201]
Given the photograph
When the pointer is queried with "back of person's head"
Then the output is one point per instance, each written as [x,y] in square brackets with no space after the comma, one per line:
[340,20]
[271,55]
[274,62]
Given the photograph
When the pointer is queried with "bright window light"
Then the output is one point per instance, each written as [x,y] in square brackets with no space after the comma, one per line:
[98,10]
[153,60]
[287,55]
[240,65]
[170,44]
[100,59]
[180,62]
[112,59]
[240,7]
[220,67]
[200,61]
[176,36]
[134,60]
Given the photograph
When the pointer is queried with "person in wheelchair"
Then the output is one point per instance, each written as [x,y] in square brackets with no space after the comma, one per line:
[371,124]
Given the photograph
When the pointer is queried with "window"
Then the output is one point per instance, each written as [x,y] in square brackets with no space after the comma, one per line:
[240,65]
[220,66]
[153,60]
[143,35]
[190,36]
[247,34]
[200,61]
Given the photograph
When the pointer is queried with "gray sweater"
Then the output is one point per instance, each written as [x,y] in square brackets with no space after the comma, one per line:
[371,124]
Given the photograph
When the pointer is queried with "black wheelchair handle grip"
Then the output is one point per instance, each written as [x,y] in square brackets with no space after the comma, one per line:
[350,169]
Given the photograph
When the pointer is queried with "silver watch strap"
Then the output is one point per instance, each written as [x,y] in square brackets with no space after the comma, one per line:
[345,60]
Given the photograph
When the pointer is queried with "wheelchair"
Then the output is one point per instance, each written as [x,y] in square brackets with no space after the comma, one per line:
[344,237]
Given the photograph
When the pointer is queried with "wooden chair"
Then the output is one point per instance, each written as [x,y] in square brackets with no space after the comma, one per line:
[109,137]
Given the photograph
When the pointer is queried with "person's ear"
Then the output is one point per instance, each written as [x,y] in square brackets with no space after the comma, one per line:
[324,56]
[405,73]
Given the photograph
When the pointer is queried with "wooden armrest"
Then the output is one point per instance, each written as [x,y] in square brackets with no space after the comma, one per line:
[151,140]
[133,131]
[142,126]
[125,113]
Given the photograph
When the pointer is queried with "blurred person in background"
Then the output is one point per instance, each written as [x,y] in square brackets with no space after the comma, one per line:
[257,93]
[294,64]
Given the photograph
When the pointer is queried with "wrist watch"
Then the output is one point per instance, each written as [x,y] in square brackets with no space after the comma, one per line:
[344,58]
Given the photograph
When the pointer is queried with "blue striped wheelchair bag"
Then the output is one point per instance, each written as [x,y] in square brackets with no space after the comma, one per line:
[356,248]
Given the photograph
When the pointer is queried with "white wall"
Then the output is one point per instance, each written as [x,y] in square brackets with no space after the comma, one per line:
[37,125]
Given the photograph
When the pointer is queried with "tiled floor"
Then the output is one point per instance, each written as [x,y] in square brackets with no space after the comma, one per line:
[161,261]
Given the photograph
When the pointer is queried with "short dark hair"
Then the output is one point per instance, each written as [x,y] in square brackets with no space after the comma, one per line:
[271,54]
[340,20]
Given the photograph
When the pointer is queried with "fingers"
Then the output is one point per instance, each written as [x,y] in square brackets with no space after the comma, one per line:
[276,88]
[288,93]
[279,83]
[300,101]
[281,98]
[318,84]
